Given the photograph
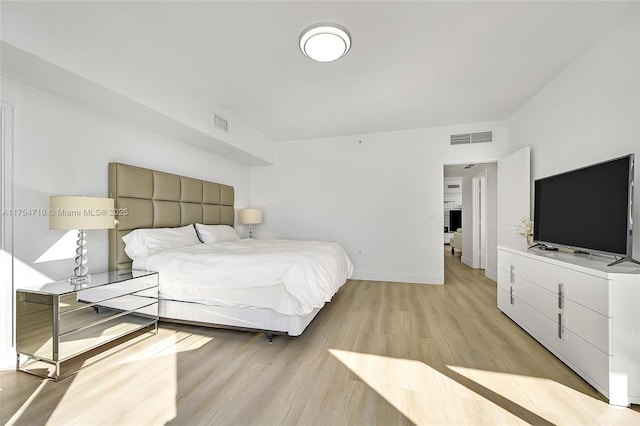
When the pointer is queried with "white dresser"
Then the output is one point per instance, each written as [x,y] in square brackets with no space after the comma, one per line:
[584,312]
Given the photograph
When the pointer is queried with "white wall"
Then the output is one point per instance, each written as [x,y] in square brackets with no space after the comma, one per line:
[589,113]
[491,169]
[63,148]
[379,195]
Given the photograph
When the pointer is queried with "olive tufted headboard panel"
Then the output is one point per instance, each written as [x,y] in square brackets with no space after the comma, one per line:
[151,199]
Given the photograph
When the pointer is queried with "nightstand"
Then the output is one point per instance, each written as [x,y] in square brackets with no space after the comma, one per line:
[60,327]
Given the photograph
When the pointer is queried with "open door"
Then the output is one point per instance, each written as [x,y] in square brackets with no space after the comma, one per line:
[479,220]
[514,197]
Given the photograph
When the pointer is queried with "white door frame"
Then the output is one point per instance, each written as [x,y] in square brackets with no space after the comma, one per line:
[7,286]
[479,220]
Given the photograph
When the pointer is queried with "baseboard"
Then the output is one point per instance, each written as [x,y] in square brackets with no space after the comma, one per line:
[467,261]
[400,278]
[492,275]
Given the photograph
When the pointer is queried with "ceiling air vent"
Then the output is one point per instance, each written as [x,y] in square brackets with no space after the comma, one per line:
[481,137]
[461,139]
[467,138]
[221,123]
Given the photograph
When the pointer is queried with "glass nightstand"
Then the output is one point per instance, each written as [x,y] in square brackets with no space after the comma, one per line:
[58,322]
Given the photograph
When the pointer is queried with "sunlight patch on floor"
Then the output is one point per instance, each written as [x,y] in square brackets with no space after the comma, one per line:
[550,396]
[157,377]
[418,390]
[16,416]
[168,345]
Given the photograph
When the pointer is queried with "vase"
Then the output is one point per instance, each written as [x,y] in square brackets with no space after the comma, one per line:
[529,241]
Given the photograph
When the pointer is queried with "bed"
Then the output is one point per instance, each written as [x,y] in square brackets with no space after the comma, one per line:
[195,289]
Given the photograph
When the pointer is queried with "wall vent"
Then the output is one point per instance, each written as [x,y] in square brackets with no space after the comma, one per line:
[481,137]
[467,138]
[461,139]
[221,123]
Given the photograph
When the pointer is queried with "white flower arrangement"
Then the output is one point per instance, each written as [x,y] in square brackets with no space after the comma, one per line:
[525,227]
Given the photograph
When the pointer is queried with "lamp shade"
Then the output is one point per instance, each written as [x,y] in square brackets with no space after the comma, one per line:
[250,216]
[71,212]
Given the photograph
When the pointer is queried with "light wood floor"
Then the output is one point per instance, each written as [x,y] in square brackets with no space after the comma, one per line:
[380,353]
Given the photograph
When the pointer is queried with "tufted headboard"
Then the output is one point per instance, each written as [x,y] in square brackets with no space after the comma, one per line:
[151,199]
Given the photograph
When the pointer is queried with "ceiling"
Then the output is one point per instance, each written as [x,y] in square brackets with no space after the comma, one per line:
[456,170]
[412,64]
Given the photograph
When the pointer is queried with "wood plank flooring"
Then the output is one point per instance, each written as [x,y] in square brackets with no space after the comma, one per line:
[379,353]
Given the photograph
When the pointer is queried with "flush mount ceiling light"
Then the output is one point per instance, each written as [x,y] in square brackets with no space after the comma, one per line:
[325,42]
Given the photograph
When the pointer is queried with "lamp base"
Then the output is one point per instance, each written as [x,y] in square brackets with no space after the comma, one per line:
[75,280]
[80,272]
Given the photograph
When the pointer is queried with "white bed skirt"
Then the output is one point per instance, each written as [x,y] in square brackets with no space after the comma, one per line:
[232,316]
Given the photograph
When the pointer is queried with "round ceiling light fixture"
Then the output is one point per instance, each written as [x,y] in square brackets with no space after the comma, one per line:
[325,42]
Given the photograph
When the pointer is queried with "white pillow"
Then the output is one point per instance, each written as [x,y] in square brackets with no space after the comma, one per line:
[141,243]
[216,233]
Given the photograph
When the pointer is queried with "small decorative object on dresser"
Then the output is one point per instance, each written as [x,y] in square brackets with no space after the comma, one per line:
[56,323]
[525,229]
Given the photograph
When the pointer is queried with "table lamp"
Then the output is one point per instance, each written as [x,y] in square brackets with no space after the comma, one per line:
[250,217]
[81,213]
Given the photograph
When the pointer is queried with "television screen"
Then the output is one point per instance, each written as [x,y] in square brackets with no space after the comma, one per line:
[588,208]
[455,220]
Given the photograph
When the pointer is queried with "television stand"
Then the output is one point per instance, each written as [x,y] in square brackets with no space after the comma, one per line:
[586,313]
[624,259]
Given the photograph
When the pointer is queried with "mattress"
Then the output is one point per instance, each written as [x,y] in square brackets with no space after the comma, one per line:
[286,276]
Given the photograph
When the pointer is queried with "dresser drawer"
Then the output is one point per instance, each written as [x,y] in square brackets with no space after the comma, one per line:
[591,326]
[82,339]
[537,297]
[541,327]
[588,361]
[584,289]
[81,298]
[104,307]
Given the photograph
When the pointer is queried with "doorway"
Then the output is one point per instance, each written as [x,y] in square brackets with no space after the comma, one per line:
[478,206]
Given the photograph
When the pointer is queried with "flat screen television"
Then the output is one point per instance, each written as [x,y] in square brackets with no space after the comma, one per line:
[455,220]
[588,209]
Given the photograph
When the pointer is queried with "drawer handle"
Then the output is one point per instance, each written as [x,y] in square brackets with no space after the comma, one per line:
[560,325]
[560,296]
[511,298]
[511,274]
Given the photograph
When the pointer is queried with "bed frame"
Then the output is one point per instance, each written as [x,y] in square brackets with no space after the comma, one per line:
[152,199]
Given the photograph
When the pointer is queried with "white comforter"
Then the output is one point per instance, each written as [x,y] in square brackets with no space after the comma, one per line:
[311,271]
